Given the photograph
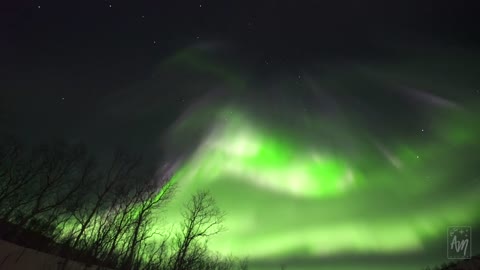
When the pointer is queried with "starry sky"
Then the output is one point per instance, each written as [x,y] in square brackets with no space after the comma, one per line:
[343,132]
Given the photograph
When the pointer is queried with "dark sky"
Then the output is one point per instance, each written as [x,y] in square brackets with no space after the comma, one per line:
[61,61]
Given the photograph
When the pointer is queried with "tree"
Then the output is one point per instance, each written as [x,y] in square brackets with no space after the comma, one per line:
[119,172]
[16,172]
[149,198]
[57,198]
[56,182]
[202,219]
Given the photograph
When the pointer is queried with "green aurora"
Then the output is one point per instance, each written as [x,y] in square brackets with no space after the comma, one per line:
[323,186]
[283,197]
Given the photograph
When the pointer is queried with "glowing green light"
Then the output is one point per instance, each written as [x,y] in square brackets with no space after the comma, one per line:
[283,197]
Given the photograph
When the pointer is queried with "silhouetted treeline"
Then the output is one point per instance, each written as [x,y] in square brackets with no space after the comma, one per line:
[466,264]
[57,198]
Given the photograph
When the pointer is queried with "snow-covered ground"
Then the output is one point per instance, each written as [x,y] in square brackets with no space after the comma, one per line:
[14,257]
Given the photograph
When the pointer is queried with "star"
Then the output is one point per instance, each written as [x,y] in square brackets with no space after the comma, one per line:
[422,130]
[418,157]
[154,42]
[38,6]
[109,5]
[200,5]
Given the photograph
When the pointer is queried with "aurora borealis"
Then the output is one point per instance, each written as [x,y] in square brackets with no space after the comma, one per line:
[297,183]
[333,134]
[323,176]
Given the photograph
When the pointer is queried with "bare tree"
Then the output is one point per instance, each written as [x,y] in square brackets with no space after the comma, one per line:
[243,264]
[120,220]
[149,200]
[105,218]
[36,187]
[55,185]
[17,171]
[202,219]
[119,171]
[156,255]
[113,228]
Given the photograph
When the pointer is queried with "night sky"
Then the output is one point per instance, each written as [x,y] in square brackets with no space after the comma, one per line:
[334,133]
